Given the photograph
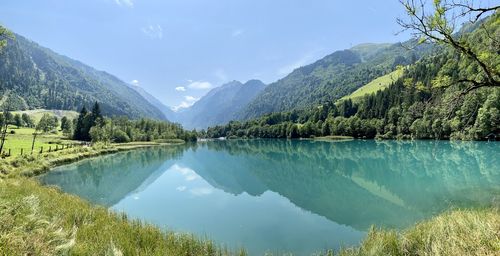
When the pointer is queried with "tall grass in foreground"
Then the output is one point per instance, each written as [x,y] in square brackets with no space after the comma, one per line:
[460,232]
[37,220]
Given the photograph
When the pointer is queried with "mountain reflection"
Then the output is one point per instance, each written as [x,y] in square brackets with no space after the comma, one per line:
[355,183]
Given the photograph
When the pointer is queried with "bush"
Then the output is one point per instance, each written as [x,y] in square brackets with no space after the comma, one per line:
[120,137]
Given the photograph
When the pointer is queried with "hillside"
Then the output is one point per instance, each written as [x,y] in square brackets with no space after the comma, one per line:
[331,78]
[375,85]
[167,112]
[220,105]
[33,77]
[425,101]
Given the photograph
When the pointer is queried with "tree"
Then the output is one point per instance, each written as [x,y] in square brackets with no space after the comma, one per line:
[87,120]
[100,134]
[18,120]
[80,126]
[96,113]
[437,23]
[47,123]
[27,120]
[5,120]
[66,126]
[4,35]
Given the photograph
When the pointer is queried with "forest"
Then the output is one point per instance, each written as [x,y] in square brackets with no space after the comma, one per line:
[434,99]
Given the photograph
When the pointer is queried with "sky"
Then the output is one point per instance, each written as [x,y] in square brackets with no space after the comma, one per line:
[180,49]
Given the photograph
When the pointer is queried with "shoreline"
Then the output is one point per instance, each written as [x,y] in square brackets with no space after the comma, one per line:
[65,211]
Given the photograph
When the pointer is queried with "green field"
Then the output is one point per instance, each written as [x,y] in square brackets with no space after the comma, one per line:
[377,84]
[36,114]
[22,139]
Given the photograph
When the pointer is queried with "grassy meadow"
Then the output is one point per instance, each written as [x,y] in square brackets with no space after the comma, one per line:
[377,84]
[22,138]
[36,114]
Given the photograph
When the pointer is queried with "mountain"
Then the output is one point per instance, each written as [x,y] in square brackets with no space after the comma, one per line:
[220,105]
[331,78]
[424,100]
[167,112]
[34,77]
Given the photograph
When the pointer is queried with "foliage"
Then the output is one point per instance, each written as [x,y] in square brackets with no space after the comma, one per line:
[47,123]
[437,23]
[93,126]
[416,105]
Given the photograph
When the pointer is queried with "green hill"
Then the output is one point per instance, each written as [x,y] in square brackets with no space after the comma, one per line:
[34,77]
[331,78]
[377,84]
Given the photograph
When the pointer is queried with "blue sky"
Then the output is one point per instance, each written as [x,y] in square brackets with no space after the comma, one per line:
[179,49]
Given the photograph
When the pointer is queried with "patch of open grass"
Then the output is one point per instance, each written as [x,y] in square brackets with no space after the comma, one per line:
[377,84]
[36,114]
[23,138]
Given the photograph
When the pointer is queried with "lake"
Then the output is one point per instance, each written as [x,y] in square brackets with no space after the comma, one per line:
[295,196]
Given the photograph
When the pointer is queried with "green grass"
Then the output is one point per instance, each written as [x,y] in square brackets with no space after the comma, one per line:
[23,137]
[459,232]
[36,114]
[377,84]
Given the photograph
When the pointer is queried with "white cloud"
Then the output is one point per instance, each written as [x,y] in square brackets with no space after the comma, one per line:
[237,32]
[127,3]
[201,191]
[181,188]
[191,98]
[181,106]
[180,89]
[199,85]
[135,82]
[153,31]
[188,102]
[188,173]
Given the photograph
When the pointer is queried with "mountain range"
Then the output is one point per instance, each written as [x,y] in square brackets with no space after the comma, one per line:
[220,105]
[32,76]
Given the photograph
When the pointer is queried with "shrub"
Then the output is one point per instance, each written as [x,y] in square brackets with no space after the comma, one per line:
[121,137]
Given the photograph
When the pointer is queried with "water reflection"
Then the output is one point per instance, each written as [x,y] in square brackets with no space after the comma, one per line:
[288,195]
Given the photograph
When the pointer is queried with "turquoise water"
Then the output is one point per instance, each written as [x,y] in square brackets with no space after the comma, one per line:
[288,196]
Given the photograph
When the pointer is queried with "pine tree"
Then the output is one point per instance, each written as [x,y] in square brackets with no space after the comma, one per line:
[80,124]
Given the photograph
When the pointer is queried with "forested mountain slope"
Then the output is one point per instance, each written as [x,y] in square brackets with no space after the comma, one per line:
[331,78]
[428,101]
[34,77]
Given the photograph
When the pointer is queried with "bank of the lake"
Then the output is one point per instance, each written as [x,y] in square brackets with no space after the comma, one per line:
[41,220]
